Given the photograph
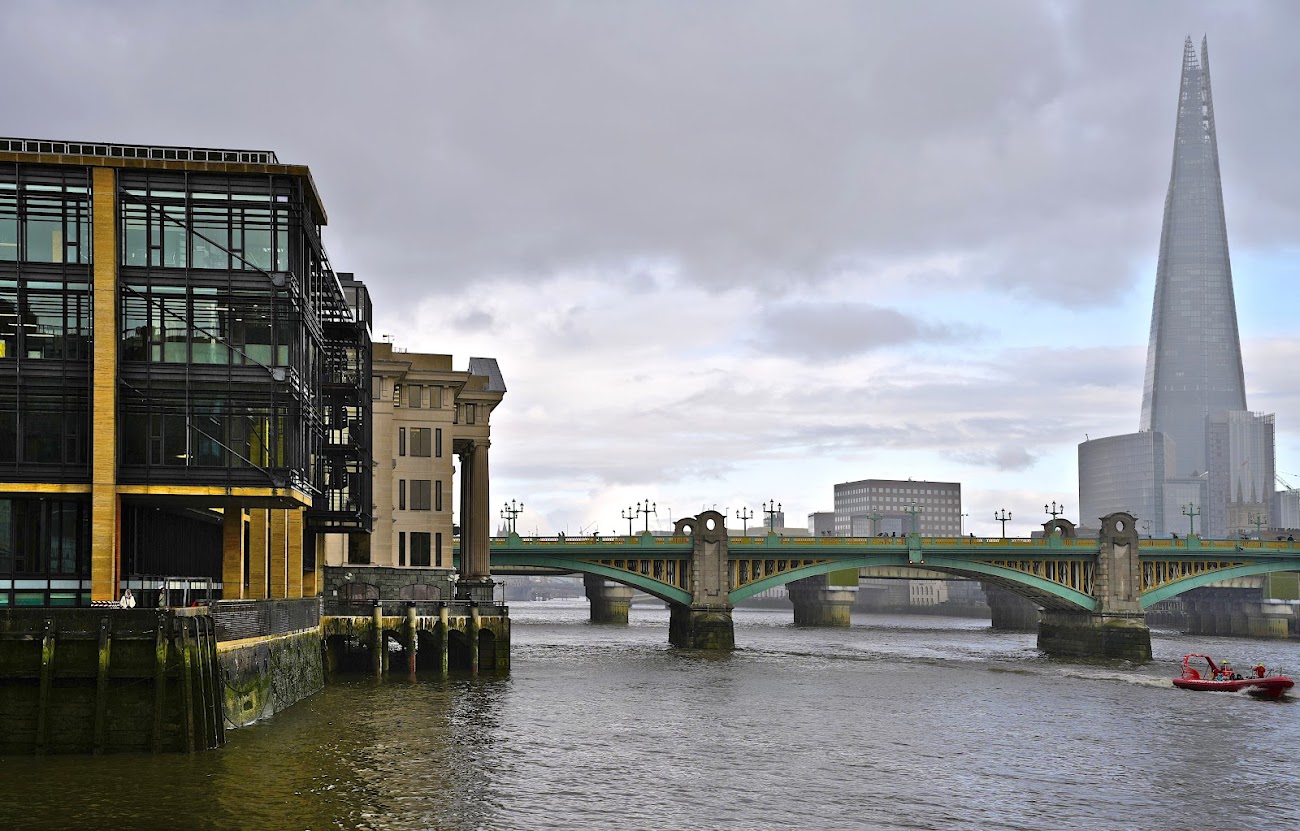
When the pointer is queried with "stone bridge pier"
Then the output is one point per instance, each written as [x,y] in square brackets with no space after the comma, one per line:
[1239,612]
[610,601]
[705,623]
[818,603]
[1116,627]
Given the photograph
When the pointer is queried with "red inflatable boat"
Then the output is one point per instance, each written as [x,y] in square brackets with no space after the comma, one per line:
[1256,681]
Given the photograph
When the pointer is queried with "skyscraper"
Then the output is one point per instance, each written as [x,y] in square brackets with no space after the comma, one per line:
[1196,440]
[1194,356]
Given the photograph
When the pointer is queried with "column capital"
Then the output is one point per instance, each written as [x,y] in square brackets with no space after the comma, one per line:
[481,442]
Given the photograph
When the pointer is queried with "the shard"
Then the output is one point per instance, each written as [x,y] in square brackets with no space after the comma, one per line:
[1194,357]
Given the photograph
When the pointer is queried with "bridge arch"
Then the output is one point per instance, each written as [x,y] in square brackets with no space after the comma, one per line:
[1037,589]
[1196,581]
[649,585]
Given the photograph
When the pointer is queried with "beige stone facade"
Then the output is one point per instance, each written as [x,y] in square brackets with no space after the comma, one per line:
[426,417]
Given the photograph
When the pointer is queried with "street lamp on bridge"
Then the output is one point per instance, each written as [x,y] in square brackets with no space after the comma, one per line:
[647,509]
[1258,521]
[1004,516]
[1054,511]
[629,514]
[1191,512]
[961,525]
[744,515]
[509,512]
[913,510]
[771,514]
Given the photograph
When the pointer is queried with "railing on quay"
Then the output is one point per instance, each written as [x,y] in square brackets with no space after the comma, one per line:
[398,608]
[239,619]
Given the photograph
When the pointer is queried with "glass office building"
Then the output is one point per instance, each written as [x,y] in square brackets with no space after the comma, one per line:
[1125,473]
[1194,355]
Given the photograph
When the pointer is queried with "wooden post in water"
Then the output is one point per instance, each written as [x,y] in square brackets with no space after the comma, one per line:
[47,669]
[187,683]
[101,683]
[473,637]
[444,639]
[200,672]
[412,644]
[218,696]
[377,643]
[159,681]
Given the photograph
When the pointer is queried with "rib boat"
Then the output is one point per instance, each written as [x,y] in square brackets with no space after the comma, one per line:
[1258,683]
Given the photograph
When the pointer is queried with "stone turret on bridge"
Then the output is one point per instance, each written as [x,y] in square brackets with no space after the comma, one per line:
[1116,627]
[706,622]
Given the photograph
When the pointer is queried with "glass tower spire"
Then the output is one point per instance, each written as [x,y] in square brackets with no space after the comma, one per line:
[1194,357]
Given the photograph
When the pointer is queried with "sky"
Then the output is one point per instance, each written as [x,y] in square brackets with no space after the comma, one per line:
[732,253]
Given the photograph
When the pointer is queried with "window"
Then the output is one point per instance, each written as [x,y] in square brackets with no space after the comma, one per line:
[435,398]
[437,495]
[419,548]
[376,387]
[437,442]
[469,413]
[415,396]
[420,441]
[401,548]
[397,395]
[401,494]
[420,492]
[437,550]
[401,441]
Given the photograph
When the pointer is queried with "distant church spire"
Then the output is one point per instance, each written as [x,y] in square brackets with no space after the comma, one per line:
[1194,355]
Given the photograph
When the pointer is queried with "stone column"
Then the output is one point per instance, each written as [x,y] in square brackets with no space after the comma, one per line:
[475,581]
[817,603]
[279,562]
[258,543]
[293,546]
[1116,628]
[609,601]
[232,554]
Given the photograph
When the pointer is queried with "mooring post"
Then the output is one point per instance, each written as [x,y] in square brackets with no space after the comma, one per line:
[101,683]
[187,683]
[473,636]
[377,643]
[412,620]
[159,681]
[47,669]
[444,637]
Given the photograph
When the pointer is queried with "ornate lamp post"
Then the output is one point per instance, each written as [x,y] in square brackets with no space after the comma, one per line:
[1004,516]
[629,514]
[875,523]
[1053,510]
[744,515]
[961,525]
[1191,512]
[647,509]
[771,514]
[510,512]
[912,511]
[1258,521]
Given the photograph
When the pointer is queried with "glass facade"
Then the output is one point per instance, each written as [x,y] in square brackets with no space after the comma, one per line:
[45,323]
[1125,473]
[1240,448]
[44,551]
[1194,355]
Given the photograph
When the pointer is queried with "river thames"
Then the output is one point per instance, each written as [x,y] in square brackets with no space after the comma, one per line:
[900,722]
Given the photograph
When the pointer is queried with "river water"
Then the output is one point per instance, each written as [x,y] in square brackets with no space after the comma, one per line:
[900,722]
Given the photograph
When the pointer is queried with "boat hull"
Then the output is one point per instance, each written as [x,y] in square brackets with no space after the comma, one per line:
[1271,687]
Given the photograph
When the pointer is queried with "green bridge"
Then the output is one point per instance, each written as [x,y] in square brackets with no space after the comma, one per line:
[1093,592]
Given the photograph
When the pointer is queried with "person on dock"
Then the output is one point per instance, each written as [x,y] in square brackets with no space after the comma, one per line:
[127,601]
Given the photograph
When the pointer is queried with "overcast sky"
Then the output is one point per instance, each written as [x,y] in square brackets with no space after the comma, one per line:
[728,252]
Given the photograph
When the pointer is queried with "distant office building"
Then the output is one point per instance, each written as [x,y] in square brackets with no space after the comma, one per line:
[821,524]
[1125,473]
[1240,454]
[1194,391]
[1286,509]
[890,506]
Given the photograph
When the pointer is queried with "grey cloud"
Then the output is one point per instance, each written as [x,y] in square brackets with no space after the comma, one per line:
[831,331]
[475,320]
[755,143]
[1005,457]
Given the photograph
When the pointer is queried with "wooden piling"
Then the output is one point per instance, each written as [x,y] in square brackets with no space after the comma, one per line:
[187,683]
[377,644]
[47,669]
[473,637]
[444,637]
[412,643]
[159,681]
[101,683]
